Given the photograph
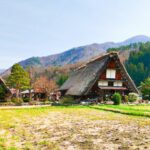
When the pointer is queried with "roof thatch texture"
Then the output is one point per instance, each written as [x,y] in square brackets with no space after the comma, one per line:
[82,80]
[7,89]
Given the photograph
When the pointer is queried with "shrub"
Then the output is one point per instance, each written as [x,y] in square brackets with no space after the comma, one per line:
[17,101]
[126,98]
[47,102]
[26,99]
[146,97]
[116,98]
[67,100]
[133,97]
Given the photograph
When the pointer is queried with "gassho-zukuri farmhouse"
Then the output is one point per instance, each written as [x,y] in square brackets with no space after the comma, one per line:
[101,78]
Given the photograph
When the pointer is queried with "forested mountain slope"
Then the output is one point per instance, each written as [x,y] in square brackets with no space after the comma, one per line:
[138,64]
[80,54]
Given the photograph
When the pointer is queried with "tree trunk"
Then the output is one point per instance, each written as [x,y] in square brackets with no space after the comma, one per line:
[46,94]
[30,95]
[17,93]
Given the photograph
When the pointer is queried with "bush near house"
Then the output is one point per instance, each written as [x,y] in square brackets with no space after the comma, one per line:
[26,99]
[116,98]
[126,99]
[67,100]
[132,97]
[17,101]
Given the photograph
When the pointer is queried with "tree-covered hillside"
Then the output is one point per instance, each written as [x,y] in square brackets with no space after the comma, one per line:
[138,64]
[83,53]
[132,46]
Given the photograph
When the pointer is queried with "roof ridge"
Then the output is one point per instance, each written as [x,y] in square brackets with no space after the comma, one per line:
[96,58]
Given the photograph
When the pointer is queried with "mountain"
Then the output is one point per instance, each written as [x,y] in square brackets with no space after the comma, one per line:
[2,70]
[70,56]
[136,39]
[79,54]
[82,53]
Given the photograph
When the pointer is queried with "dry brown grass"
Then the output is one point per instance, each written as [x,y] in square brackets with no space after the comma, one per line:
[69,128]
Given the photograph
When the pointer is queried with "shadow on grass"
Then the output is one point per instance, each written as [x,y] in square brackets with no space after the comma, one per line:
[140,114]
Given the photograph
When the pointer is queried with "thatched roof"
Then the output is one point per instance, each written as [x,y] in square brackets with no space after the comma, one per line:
[7,89]
[82,80]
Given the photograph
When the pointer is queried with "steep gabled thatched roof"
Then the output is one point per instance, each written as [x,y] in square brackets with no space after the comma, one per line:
[82,80]
[7,89]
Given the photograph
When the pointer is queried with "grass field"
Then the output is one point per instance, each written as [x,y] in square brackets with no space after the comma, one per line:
[141,110]
[75,127]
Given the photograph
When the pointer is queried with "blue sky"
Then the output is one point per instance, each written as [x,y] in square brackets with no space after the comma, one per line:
[44,27]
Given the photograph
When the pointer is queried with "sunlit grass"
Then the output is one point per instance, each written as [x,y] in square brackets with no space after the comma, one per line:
[134,110]
[30,127]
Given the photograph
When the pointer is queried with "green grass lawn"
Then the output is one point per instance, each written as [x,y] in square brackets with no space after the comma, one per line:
[135,110]
[75,127]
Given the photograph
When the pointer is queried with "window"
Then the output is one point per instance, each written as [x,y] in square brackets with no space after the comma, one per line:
[103,83]
[110,83]
[111,74]
[118,83]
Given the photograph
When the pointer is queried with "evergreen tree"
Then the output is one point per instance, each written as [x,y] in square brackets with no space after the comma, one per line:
[138,64]
[145,88]
[2,92]
[18,79]
[61,79]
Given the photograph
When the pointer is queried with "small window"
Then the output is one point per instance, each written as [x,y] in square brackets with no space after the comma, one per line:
[118,83]
[110,83]
[111,74]
[103,83]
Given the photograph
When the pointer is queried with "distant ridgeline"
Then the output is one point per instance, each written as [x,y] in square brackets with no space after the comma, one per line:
[33,61]
[138,64]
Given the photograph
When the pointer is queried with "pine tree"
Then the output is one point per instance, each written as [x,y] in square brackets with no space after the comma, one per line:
[18,79]
[145,88]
